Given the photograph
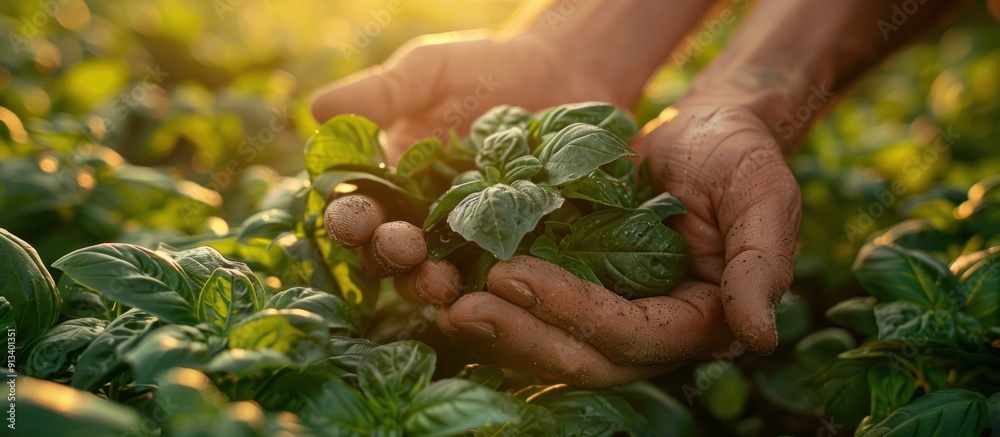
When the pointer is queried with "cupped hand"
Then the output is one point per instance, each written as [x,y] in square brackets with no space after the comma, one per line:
[744,211]
[426,88]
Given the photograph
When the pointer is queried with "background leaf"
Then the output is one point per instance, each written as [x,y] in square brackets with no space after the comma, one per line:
[52,354]
[893,273]
[391,375]
[133,276]
[227,297]
[301,335]
[104,356]
[344,139]
[332,309]
[954,412]
[28,288]
[453,407]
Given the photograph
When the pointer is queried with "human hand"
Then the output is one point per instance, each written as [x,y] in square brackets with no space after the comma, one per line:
[427,88]
[744,212]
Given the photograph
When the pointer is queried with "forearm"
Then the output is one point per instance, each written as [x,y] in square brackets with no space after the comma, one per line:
[621,42]
[792,56]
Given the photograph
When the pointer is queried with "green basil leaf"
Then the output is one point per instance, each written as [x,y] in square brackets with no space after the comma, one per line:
[890,390]
[442,241]
[501,148]
[325,183]
[419,156]
[498,217]
[133,276]
[782,388]
[79,301]
[727,396]
[485,375]
[857,313]
[447,202]
[818,349]
[104,357]
[665,205]
[42,411]
[453,407]
[242,362]
[6,316]
[630,251]
[918,234]
[545,247]
[344,140]
[657,413]
[841,388]
[497,119]
[893,273]
[52,354]
[300,334]
[475,278]
[529,419]
[227,297]
[28,287]
[578,268]
[943,412]
[522,168]
[199,263]
[266,225]
[391,375]
[168,347]
[337,313]
[599,187]
[906,321]
[578,150]
[342,362]
[994,403]
[466,177]
[602,115]
[583,412]
[339,410]
[982,284]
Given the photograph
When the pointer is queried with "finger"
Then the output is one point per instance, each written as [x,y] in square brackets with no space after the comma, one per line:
[759,215]
[485,321]
[398,247]
[383,95]
[351,221]
[433,281]
[642,332]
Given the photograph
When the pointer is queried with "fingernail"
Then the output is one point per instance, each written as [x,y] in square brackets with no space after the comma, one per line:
[478,329]
[520,294]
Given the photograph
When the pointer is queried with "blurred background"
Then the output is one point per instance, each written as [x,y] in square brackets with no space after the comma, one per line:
[148,121]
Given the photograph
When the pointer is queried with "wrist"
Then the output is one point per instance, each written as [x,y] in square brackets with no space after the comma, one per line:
[786,100]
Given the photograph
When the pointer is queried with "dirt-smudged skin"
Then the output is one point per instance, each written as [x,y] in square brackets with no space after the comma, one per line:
[398,246]
[351,220]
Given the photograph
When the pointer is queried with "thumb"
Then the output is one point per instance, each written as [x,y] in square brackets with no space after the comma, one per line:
[383,95]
